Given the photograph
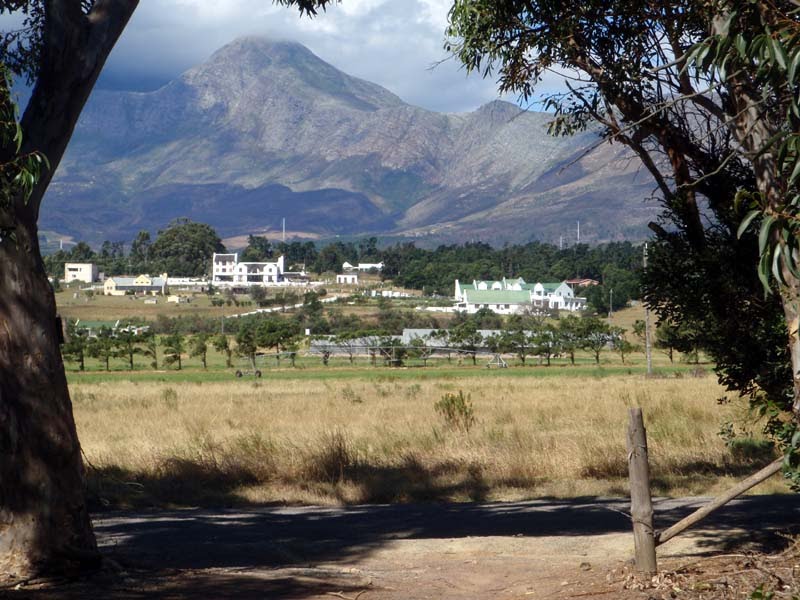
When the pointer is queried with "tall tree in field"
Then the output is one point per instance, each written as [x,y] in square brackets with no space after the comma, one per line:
[61,50]
[222,344]
[704,93]
[174,346]
[104,346]
[199,347]
[76,344]
[185,249]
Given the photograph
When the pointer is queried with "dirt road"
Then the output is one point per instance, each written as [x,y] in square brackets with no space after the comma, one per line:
[539,549]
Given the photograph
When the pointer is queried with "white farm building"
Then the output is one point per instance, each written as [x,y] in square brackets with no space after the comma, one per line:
[227,271]
[509,296]
[85,272]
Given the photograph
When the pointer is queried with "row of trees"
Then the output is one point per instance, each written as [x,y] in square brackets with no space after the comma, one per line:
[126,344]
[617,264]
[520,335]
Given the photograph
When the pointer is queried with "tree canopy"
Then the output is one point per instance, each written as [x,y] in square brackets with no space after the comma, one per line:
[704,95]
[185,248]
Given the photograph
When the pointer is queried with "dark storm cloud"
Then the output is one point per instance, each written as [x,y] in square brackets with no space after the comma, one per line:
[394,43]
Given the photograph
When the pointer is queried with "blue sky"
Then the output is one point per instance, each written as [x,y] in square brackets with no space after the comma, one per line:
[394,43]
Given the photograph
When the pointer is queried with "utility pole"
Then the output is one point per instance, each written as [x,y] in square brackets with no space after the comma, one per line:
[283,224]
[561,242]
[610,302]
[647,346]
[579,232]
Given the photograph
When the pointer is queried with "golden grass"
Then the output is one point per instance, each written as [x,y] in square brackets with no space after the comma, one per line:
[312,441]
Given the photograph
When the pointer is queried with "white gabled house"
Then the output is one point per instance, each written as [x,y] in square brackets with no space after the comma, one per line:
[509,296]
[557,295]
[227,271]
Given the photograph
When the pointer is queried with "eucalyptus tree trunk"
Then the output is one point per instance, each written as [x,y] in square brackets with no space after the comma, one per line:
[44,521]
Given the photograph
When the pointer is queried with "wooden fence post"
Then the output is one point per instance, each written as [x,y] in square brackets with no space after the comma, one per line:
[641,503]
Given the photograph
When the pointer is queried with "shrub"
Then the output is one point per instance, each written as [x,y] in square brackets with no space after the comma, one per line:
[331,460]
[456,410]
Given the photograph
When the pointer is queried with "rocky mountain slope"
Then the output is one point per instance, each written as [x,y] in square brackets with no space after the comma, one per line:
[265,130]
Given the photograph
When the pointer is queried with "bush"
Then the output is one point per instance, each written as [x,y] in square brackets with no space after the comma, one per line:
[456,410]
[332,459]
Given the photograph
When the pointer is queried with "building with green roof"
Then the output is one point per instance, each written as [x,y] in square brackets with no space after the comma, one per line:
[509,296]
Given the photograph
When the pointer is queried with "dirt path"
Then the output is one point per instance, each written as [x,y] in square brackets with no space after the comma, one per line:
[541,549]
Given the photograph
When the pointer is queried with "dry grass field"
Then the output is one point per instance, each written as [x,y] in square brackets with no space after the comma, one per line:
[73,304]
[380,439]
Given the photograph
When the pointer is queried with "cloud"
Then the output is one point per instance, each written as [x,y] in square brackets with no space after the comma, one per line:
[396,44]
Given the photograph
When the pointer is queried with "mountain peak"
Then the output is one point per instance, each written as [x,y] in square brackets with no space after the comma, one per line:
[290,68]
[260,48]
[265,128]
[499,110]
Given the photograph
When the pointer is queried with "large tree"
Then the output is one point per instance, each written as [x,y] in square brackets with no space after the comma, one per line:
[61,49]
[703,93]
[184,249]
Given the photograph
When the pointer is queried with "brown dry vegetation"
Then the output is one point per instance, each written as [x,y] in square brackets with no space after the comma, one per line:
[381,440]
[111,308]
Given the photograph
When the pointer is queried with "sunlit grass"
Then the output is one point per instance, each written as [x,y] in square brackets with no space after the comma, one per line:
[377,438]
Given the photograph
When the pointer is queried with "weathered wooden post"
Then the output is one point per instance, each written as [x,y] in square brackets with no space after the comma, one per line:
[641,503]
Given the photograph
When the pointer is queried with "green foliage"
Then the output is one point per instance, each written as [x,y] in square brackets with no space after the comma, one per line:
[434,270]
[761,594]
[19,172]
[620,343]
[570,331]
[174,346]
[595,335]
[222,343]
[246,341]
[198,347]
[104,347]
[621,284]
[185,248]
[456,410]
[149,348]
[308,7]
[128,345]
[258,294]
[713,87]
[76,344]
[259,249]
[466,337]
[273,332]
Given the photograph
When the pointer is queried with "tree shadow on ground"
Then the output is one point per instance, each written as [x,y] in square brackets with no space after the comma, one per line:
[179,482]
[202,585]
[211,546]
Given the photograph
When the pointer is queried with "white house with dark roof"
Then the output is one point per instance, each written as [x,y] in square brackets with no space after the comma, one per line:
[227,271]
[509,296]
